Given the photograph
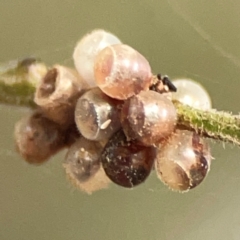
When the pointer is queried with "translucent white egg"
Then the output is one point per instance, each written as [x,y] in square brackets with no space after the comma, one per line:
[192,93]
[87,49]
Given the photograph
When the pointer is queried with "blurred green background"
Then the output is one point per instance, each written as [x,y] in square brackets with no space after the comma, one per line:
[195,39]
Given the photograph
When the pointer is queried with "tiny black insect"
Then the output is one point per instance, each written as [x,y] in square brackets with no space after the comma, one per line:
[163,84]
[167,82]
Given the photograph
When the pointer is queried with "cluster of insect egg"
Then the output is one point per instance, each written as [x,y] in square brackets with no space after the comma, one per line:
[124,128]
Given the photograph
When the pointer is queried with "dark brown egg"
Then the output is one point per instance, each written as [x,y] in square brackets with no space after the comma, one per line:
[127,163]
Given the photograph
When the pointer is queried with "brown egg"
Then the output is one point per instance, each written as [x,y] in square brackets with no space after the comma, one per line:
[58,93]
[38,138]
[121,72]
[148,117]
[83,167]
[183,161]
[82,159]
[97,115]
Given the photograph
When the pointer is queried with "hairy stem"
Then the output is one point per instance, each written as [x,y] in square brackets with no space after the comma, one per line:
[213,124]
[19,79]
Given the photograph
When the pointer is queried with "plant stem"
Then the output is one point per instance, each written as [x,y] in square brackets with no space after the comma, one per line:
[213,124]
[19,79]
